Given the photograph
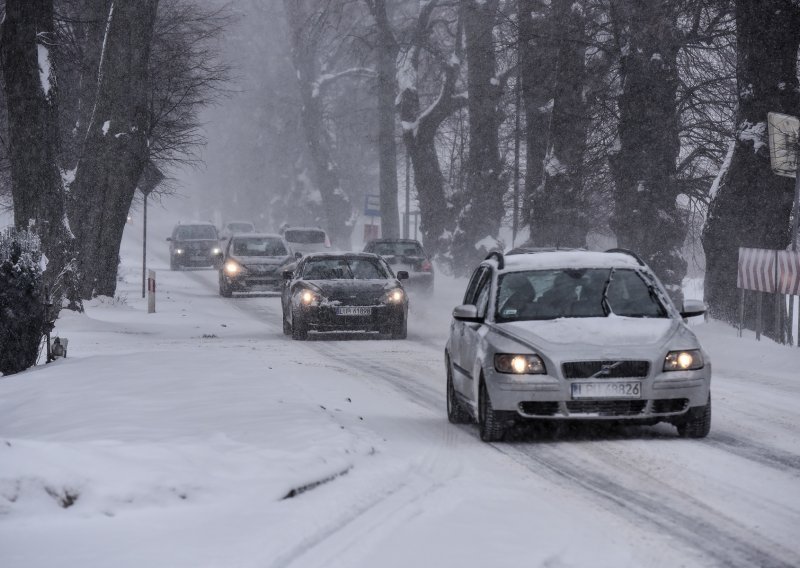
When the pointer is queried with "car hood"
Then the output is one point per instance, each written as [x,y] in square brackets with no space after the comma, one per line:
[602,336]
[329,288]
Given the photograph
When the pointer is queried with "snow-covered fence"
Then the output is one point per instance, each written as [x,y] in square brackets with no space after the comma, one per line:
[774,272]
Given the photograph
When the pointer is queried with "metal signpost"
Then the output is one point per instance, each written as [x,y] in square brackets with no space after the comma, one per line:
[149,180]
[784,148]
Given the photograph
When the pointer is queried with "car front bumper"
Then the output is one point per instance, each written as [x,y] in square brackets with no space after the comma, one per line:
[254,283]
[325,318]
[663,396]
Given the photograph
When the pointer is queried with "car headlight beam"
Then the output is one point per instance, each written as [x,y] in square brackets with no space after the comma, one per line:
[689,360]
[394,296]
[232,268]
[513,364]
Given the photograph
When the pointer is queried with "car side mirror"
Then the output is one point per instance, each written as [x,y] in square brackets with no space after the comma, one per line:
[288,274]
[692,308]
[169,239]
[298,255]
[402,275]
[467,312]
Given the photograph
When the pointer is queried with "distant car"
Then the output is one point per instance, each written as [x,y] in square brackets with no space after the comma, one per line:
[253,262]
[236,227]
[574,336]
[408,255]
[306,240]
[193,244]
[344,292]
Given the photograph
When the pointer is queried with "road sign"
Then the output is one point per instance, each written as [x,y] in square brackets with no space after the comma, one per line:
[756,270]
[783,139]
[372,205]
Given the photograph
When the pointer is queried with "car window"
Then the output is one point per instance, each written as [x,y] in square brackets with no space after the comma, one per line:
[240,227]
[563,293]
[344,269]
[397,249]
[472,287]
[305,236]
[190,232]
[254,246]
[482,298]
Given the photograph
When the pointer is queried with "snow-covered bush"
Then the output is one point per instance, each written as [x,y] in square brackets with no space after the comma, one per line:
[22,311]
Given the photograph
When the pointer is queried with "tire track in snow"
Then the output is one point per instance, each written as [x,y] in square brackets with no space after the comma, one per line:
[672,513]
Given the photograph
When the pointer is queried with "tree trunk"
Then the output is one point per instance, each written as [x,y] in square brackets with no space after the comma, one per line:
[753,205]
[646,217]
[536,60]
[419,134]
[325,170]
[484,209]
[115,150]
[387,145]
[34,141]
[559,215]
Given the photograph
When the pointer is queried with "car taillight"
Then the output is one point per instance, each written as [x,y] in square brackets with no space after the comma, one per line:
[426,266]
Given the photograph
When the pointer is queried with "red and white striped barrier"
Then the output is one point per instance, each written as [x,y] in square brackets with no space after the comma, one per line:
[756,270]
[789,273]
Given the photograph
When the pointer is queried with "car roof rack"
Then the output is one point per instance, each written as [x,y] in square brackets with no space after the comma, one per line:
[497,255]
[629,253]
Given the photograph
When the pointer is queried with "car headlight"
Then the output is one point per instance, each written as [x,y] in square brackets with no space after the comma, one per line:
[519,364]
[306,297]
[216,250]
[233,268]
[394,296]
[178,251]
[689,360]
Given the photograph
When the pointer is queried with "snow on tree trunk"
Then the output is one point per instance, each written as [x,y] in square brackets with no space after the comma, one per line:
[646,215]
[483,212]
[752,206]
[559,215]
[305,22]
[31,93]
[115,150]
[419,133]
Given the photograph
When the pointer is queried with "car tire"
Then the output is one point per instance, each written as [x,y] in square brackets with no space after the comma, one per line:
[224,290]
[400,329]
[298,328]
[490,425]
[456,413]
[698,425]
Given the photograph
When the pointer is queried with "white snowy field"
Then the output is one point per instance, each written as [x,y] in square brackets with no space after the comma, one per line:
[201,436]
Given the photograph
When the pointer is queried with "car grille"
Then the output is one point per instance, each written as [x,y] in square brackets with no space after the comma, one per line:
[261,269]
[356,299]
[666,405]
[613,369]
[539,408]
[606,407]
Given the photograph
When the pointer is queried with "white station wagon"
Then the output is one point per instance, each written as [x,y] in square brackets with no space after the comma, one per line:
[574,335]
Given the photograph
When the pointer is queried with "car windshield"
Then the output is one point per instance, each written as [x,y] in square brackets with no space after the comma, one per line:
[344,269]
[240,227]
[397,249]
[191,232]
[575,293]
[304,236]
[257,246]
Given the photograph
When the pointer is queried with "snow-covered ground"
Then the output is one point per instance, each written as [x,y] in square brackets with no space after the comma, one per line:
[201,436]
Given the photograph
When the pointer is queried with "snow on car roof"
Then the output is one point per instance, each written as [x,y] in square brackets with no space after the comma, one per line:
[256,236]
[569,259]
[340,254]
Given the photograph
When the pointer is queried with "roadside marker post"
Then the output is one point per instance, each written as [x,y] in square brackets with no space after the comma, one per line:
[151,292]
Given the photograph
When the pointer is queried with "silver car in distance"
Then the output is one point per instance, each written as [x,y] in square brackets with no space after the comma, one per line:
[574,335]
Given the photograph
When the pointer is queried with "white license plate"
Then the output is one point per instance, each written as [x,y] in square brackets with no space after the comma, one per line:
[353,311]
[607,389]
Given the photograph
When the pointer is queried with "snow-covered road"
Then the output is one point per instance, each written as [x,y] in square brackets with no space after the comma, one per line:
[202,436]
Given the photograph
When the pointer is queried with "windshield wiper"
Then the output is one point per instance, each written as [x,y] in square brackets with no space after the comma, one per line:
[604,302]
